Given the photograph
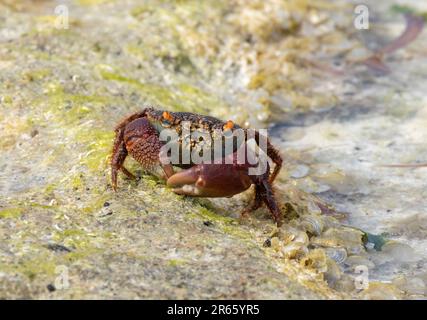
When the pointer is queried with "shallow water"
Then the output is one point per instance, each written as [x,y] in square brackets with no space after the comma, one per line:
[380,120]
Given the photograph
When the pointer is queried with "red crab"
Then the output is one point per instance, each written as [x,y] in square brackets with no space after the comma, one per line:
[139,136]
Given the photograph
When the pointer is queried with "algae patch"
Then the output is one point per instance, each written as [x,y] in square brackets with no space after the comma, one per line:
[11,213]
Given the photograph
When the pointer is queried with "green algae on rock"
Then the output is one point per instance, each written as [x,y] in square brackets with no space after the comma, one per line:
[63,91]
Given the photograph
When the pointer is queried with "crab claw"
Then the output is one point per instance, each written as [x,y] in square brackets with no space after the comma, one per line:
[210,180]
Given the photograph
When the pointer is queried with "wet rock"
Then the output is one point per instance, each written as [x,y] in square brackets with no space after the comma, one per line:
[64,90]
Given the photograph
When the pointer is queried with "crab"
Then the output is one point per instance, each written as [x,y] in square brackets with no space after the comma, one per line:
[139,135]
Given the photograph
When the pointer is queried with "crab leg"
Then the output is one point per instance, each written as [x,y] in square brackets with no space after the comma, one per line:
[264,193]
[267,196]
[139,139]
[121,126]
[119,155]
[257,202]
[273,154]
[119,149]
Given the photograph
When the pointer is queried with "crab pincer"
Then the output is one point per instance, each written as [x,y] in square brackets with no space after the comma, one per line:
[210,180]
[226,180]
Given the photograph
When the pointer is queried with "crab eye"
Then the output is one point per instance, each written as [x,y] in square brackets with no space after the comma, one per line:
[167,116]
[228,125]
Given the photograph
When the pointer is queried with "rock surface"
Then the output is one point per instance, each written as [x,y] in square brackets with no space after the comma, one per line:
[70,70]
[64,233]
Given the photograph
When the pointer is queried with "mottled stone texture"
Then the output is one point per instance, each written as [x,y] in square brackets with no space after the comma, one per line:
[296,64]
[63,232]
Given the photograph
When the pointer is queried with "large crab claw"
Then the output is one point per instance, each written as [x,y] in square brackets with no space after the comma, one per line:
[210,180]
[226,180]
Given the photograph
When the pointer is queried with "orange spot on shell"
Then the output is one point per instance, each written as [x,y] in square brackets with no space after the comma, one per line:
[167,116]
[200,182]
[228,125]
